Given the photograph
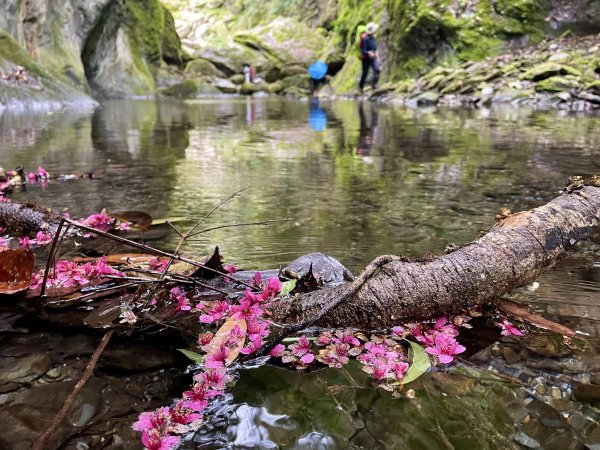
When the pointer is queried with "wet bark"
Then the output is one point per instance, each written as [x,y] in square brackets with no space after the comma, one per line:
[393,290]
[27,218]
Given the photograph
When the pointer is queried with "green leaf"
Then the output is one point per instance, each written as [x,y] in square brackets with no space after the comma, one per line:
[195,357]
[287,287]
[420,363]
[168,219]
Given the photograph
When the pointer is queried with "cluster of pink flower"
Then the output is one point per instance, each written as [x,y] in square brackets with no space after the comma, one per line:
[71,274]
[40,175]
[508,329]
[159,265]
[159,428]
[440,340]
[41,238]
[103,222]
[384,358]
[177,295]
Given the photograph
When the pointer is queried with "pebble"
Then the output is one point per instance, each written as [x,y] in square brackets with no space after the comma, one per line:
[54,373]
[526,440]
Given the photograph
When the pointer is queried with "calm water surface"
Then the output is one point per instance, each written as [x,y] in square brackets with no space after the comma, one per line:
[353,181]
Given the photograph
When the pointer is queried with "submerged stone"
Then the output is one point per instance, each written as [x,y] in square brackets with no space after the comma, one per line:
[24,369]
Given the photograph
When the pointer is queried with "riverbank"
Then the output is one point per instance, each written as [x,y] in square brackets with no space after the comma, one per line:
[562,73]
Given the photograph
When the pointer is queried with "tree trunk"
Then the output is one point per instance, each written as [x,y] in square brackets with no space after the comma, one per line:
[393,290]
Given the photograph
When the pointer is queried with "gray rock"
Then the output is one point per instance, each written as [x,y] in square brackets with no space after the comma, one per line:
[330,270]
[226,86]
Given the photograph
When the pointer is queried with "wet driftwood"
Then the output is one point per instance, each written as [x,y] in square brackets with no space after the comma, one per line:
[393,289]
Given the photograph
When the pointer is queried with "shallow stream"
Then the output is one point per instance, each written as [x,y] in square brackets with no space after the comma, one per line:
[351,180]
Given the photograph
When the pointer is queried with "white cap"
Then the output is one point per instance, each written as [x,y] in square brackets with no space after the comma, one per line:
[372,27]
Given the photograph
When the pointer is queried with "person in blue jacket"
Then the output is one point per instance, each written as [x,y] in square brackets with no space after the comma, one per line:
[369,56]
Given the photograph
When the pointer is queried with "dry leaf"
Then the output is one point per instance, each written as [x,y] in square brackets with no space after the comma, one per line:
[522,314]
[16,266]
[221,336]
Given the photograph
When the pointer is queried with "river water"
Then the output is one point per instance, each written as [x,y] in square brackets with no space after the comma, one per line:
[352,180]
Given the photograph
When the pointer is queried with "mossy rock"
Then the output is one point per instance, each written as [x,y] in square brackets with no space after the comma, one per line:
[202,68]
[43,86]
[185,89]
[133,38]
[594,86]
[300,81]
[249,88]
[290,70]
[433,82]
[231,57]
[404,86]
[557,84]
[469,31]
[507,95]
[295,92]
[437,72]
[225,86]
[548,69]
[428,98]
[346,80]
[275,88]
[284,40]
[238,78]
[273,74]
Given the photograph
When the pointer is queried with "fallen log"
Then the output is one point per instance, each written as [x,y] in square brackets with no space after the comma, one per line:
[27,218]
[393,290]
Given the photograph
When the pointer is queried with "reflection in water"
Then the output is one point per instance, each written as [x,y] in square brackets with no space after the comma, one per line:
[367,129]
[317,117]
[372,181]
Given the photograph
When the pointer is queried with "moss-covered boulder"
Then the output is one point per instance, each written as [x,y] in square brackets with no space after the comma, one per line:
[594,86]
[185,89]
[24,82]
[202,68]
[465,30]
[190,89]
[275,88]
[548,69]
[231,57]
[249,88]
[226,86]
[557,84]
[284,40]
[129,41]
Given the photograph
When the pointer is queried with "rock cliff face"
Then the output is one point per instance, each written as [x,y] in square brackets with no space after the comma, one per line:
[107,48]
[414,35]
[121,48]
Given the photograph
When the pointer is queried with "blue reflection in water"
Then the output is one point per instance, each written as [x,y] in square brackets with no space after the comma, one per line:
[317,117]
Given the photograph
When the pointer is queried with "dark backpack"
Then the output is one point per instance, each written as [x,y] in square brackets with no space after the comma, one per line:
[361,42]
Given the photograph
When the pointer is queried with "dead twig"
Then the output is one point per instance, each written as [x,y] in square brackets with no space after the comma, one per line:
[263,222]
[51,256]
[151,250]
[183,237]
[40,444]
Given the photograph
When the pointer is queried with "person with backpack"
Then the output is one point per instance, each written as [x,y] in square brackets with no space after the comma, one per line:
[369,56]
